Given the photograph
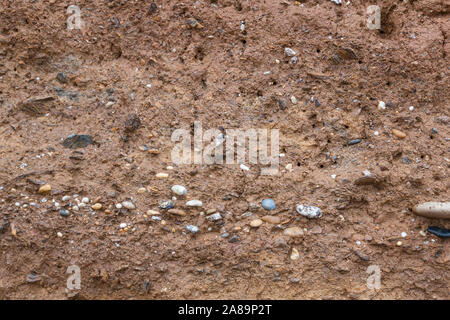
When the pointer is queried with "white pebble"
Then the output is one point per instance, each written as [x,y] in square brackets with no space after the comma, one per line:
[289,52]
[129,205]
[294,100]
[162,175]
[194,203]
[65,198]
[179,190]
[411,108]
[381,105]
[404,234]
[119,206]
[123,225]
[85,200]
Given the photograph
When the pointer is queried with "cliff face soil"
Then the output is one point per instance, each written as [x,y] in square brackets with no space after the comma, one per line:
[139,70]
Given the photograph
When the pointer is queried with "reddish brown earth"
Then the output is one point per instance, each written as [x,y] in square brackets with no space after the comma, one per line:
[215,74]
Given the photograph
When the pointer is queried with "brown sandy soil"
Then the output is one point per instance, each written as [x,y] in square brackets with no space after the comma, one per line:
[217,74]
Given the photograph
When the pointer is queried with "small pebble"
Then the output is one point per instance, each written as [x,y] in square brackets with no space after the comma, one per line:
[65,198]
[256,223]
[404,234]
[177,212]
[119,206]
[85,200]
[399,134]
[141,190]
[293,100]
[166,204]
[289,52]
[162,175]
[152,212]
[381,105]
[45,188]
[123,225]
[293,232]
[214,217]
[309,211]
[268,204]
[194,203]
[179,190]
[294,254]
[191,228]
[97,206]
[64,213]
[128,205]
[271,219]
[59,234]
[354,141]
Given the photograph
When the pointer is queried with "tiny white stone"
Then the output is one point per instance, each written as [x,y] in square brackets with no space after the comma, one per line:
[404,234]
[289,167]
[123,225]
[59,234]
[381,105]
[194,203]
[376,133]
[85,200]
[119,206]
[244,167]
[65,198]
[366,173]
[411,108]
[149,85]
[358,242]
[293,100]
[289,52]
[75,208]
[333,176]
[162,175]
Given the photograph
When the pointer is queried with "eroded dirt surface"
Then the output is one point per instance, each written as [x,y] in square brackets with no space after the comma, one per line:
[212,71]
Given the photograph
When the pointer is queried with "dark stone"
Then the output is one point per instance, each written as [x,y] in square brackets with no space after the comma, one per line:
[132,123]
[440,232]
[61,77]
[234,239]
[166,204]
[152,8]
[354,141]
[75,141]
[64,213]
